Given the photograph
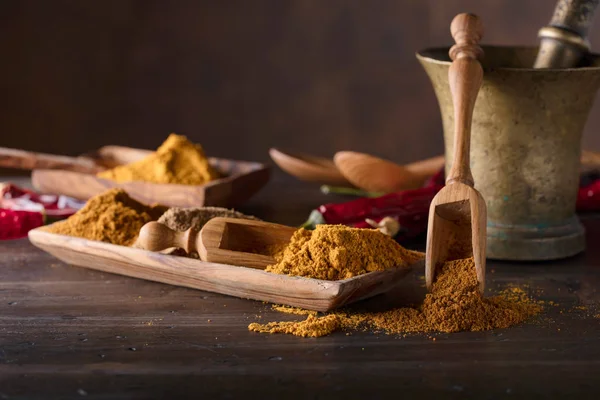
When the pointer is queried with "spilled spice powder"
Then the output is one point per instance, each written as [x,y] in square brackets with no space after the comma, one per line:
[111,217]
[453,305]
[293,310]
[335,252]
[312,326]
[177,161]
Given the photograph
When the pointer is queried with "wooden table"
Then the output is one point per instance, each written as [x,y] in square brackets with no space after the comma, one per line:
[71,332]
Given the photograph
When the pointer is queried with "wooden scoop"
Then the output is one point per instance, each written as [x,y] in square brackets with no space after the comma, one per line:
[457,215]
[374,174]
[13,158]
[230,241]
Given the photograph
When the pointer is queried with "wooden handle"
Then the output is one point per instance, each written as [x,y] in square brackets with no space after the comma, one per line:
[465,76]
[155,236]
[13,158]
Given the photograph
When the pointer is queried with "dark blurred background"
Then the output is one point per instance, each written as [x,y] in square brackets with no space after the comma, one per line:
[238,76]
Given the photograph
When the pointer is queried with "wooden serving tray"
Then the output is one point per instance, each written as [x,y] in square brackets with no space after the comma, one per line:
[242,179]
[250,283]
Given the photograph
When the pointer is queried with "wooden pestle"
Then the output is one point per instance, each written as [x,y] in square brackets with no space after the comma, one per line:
[564,41]
[457,215]
[231,241]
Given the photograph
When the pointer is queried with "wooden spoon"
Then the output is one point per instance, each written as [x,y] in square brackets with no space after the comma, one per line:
[13,158]
[230,241]
[457,215]
[309,168]
[374,174]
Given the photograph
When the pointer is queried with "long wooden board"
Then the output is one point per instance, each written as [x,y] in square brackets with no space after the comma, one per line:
[250,283]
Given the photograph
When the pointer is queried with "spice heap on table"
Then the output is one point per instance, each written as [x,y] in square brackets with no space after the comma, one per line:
[176,161]
[454,304]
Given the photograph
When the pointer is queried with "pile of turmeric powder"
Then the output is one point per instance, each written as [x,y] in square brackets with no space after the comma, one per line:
[334,252]
[454,304]
[177,161]
[111,217]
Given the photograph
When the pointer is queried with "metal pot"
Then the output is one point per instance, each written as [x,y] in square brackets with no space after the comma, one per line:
[525,148]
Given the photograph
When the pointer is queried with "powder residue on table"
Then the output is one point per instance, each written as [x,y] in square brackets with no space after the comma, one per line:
[312,326]
[453,305]
[111,217]
[177,161]
[293,310]
[334,252]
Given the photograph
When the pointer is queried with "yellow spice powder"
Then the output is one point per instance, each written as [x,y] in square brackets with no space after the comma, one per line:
[177,161]
[453,305]
[111,217]
[312,326]
[334,252]
[293,310]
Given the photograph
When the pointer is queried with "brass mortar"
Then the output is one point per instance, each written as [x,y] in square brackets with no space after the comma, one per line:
[525,148]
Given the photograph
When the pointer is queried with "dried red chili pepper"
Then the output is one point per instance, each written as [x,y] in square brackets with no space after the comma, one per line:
[15,224]
[410,208]
[22,210]
[588,196]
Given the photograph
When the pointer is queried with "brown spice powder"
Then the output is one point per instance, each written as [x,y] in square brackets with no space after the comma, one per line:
[335,252]
[453,305]
[182,219]
[111,217]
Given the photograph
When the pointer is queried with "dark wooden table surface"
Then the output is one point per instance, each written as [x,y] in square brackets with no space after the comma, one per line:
[70,332]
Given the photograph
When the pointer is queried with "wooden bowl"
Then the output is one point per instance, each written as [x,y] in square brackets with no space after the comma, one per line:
[309,168]
[242,179]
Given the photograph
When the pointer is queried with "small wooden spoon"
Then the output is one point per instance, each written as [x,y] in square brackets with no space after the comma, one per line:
[14,158]
[374,174]
[457,215]
[230,241]
[309,168]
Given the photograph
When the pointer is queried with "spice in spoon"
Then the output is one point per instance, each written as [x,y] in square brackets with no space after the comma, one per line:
[182,219]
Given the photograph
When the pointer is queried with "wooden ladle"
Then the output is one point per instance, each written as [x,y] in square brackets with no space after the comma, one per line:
[309,168]
[230,241]
[374,174]
[457,215]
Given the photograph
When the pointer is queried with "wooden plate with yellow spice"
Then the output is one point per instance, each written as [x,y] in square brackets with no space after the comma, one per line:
[250,283]
[234,181]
